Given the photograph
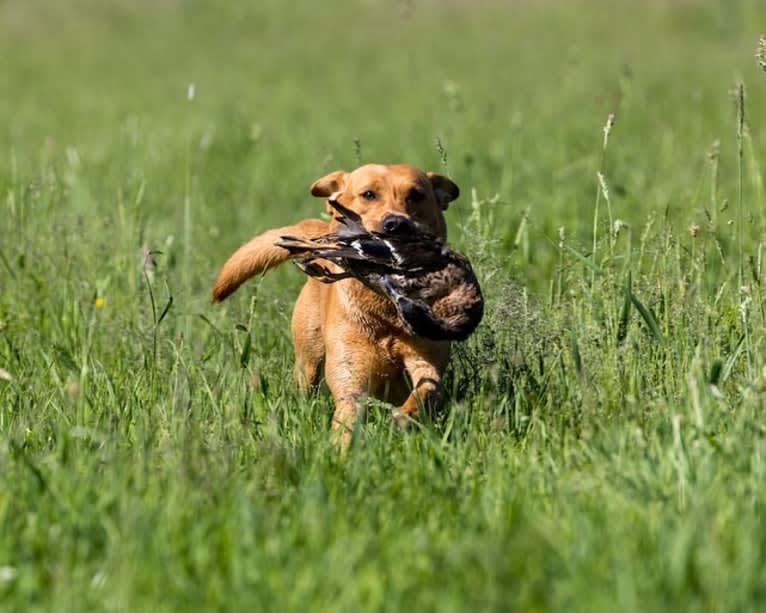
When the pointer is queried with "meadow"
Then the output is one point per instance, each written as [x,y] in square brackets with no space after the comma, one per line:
[603,443]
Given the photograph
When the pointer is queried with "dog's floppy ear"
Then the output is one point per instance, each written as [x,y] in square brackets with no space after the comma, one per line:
[329,184]
[445,190]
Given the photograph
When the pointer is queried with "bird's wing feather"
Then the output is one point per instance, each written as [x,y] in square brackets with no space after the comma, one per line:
[350,220]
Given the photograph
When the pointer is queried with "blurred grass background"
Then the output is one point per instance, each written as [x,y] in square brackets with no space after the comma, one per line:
[602,445]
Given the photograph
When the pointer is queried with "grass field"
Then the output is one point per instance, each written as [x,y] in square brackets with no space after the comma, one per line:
[603,445]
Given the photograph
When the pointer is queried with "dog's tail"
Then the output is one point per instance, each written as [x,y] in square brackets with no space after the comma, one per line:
[260,254]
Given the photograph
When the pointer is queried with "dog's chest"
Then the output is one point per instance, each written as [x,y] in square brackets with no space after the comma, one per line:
[370,311]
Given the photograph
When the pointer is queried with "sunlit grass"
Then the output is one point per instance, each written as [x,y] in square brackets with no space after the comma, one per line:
[602,444]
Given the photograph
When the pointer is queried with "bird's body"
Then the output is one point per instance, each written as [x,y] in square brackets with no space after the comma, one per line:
[434,289]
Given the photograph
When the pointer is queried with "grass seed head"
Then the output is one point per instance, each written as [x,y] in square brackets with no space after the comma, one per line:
[760,52]
[714,151]
[608,128]
[739,104]
[694,230]
[603,184]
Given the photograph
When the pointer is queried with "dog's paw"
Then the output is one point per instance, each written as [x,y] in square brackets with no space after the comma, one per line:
[402,419]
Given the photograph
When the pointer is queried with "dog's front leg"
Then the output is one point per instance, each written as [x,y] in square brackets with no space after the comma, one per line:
[352,374]
[425,372]
[347,411]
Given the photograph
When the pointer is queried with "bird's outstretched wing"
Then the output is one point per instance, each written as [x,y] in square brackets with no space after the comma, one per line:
[298,246]
[374,252]
[314,269]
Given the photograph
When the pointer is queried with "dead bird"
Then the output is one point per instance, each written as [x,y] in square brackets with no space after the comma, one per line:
[435,291]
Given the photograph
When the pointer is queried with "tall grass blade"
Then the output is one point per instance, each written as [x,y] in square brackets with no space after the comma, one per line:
[649,319]
[622,326]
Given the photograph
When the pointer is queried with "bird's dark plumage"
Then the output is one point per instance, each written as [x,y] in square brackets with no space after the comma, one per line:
[434,289]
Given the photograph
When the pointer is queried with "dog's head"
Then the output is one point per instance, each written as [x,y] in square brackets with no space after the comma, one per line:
[391,198]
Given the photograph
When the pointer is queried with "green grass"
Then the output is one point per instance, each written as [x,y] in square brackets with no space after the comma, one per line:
[603,446]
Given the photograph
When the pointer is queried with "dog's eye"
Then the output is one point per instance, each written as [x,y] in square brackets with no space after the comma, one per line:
[369,195]
[415,196]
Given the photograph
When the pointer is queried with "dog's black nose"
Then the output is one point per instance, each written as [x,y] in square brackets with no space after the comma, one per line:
[397,224]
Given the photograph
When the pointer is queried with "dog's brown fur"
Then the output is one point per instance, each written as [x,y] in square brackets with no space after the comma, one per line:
[353,330]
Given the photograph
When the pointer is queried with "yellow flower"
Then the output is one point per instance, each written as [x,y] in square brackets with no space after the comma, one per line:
[99,302]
